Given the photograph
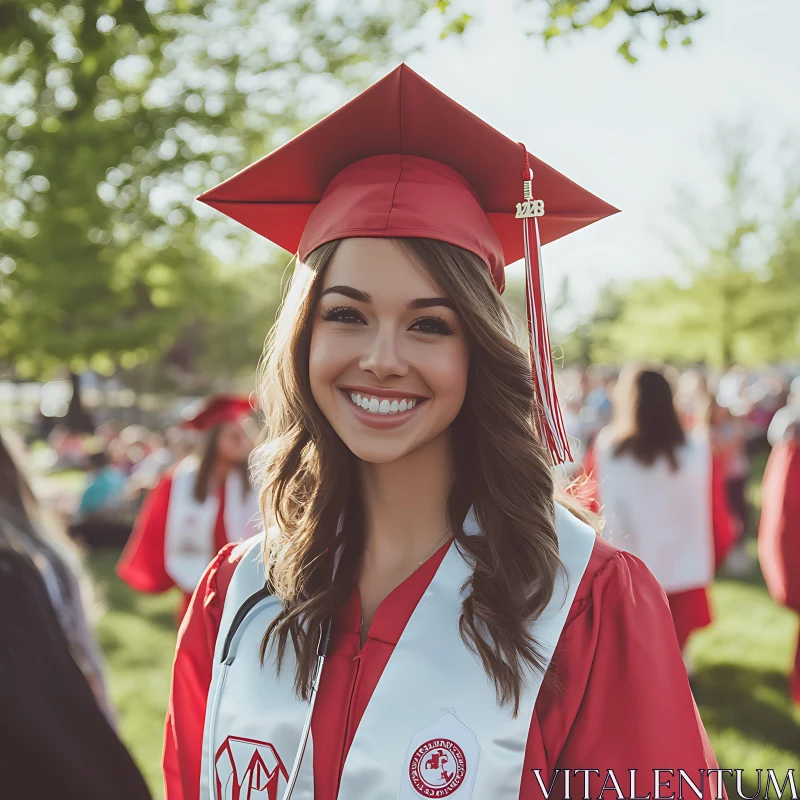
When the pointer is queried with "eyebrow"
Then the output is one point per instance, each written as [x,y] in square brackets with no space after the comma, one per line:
[363,297]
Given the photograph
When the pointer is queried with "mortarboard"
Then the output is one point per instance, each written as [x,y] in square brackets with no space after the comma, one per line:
[402,159]
[218,409]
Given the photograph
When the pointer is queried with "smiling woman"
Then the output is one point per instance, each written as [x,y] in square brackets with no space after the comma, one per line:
[421,619]
[399,340]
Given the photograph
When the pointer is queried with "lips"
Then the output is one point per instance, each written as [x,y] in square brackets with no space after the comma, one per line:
[385,410]
[374,391]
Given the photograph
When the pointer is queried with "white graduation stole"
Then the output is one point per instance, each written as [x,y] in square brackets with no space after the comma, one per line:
[432,728]
[189,538]
[662,517]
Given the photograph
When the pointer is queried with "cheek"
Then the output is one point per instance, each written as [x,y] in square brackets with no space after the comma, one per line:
[448,372]
[327,358]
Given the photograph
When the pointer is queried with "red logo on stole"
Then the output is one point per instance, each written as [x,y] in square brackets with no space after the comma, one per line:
[247,769]
[438,767]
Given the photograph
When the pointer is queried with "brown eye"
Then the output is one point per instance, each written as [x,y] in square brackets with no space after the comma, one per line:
[433,325]
[349,316]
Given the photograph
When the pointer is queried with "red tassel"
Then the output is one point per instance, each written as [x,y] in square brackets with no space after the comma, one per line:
[550,422]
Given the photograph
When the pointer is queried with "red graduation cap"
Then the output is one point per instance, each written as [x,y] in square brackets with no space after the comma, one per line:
[218,409]
[404,160]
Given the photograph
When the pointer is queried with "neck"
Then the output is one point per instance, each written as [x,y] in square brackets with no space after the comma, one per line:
[405,505]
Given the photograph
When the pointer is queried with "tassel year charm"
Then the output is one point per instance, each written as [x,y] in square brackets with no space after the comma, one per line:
[549,421]
[529,207]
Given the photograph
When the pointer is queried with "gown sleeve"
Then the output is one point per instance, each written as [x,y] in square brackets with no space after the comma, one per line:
[141,565]
[191,678]
[620,698]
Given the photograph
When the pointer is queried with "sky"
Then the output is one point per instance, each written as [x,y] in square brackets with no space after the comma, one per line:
[636,135]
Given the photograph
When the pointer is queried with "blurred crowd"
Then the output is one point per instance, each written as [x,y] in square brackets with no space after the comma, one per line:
[745,412]
[120,465]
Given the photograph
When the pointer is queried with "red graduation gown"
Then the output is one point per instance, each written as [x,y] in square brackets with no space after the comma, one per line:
[690,609]
[779,535]
[141,565]
[622,700]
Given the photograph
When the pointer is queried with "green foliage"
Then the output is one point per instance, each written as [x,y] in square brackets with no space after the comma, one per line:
[137,636]
[639,21]
[592,340]
[114,115]
[565,16]
[219,346]
[738,296]
[456,26]
[719,319]
[233,342]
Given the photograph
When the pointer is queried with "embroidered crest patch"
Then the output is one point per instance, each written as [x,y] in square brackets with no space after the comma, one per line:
[442,761]
[438,767]
[247,768]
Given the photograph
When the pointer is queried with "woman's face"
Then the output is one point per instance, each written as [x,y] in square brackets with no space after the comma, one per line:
[234,443]
[389,358]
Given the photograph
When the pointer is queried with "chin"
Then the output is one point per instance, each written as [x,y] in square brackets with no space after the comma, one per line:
[374,451]
[374,448]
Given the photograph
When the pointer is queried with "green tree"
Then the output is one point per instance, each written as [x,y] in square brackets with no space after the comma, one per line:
[638,21]
[591,340]
[781,338]
[738,296]
[114,115]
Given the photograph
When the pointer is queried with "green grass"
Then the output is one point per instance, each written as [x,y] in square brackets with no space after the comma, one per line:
[137,634]
[742,661]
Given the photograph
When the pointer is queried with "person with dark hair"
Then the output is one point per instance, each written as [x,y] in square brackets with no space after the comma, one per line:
[662,494]
[421,618]
[197,508]
[56,739]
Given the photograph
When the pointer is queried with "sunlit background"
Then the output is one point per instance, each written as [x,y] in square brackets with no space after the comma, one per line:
[122,299]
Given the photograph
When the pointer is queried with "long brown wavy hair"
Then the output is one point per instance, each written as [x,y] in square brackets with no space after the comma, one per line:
[307,479]
[646,423]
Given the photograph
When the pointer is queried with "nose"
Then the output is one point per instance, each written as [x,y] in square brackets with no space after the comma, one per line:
[383,359]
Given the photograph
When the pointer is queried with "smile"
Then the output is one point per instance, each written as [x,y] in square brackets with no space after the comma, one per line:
[382,405]
[380,408]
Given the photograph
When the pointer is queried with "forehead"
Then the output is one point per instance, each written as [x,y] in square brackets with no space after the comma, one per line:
[380,268]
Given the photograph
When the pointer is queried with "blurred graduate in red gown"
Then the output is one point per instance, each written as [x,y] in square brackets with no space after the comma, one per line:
[197,508]
[779,531]
[662,494]
[480,630]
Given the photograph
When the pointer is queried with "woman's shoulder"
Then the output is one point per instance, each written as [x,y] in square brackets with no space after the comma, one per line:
[216,580]
[615,578]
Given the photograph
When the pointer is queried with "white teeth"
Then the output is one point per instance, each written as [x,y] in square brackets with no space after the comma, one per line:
[382,405]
